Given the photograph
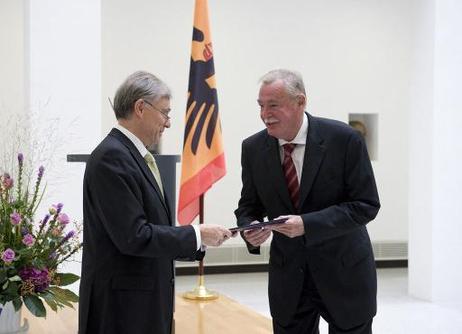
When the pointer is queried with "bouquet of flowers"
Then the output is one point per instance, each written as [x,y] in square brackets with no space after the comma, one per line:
[31,252]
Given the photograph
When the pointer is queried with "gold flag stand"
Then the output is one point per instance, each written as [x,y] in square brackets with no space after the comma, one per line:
[200,292]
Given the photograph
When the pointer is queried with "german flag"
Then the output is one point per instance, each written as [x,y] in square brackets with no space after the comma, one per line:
[203,159]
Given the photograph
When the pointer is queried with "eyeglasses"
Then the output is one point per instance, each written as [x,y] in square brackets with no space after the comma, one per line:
[167,117]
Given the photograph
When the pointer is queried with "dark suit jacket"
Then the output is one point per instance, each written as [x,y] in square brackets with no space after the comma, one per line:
[128,245]
[338,197]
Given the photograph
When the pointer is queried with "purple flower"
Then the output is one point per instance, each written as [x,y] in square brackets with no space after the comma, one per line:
[52,256]
[7,181]
[45,219]
[69,235]
[66,238]
[15,218]
[63,219]
[28,240]
[8,256]
[20,159]
[38,277]
[40,172]
[24,231]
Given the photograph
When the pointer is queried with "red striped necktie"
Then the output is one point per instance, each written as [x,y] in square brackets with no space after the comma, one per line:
[290,174]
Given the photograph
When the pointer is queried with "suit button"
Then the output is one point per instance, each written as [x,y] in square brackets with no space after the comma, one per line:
[172,281]
[301,270]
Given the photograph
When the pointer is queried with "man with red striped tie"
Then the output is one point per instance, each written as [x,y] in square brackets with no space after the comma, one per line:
[316,172]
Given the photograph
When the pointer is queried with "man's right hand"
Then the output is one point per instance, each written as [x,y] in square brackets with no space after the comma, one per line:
[258,236]
[214,235]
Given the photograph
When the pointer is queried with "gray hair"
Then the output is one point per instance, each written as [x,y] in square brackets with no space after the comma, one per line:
[139,85]
[293,81]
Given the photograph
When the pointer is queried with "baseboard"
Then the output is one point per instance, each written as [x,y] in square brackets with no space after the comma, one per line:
[391,263]
[224,269]
[263,267]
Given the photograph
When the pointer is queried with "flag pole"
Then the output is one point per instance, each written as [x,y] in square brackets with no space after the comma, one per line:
[200,292]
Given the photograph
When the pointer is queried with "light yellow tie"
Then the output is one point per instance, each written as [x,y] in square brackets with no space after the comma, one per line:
[149,158]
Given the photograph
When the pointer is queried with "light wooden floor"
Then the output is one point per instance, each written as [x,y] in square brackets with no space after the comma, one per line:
[224,316]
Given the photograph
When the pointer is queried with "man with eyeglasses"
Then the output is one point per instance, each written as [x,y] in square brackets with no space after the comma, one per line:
[129,243]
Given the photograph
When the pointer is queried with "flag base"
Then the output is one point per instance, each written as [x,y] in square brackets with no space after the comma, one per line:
[200,292]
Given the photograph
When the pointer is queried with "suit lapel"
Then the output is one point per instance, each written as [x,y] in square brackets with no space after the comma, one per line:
[141,163]
[273,162]
[314,153]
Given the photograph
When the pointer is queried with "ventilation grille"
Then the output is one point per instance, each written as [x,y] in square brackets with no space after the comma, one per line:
[238,254]
[390,250]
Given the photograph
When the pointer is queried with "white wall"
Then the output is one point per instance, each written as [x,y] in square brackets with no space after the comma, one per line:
[12,69]
[65,85]
[354,56]
[436,155]
[12,56]
[447,146]
[421,155]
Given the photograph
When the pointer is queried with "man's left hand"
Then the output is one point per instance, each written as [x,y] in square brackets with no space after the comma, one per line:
[292,228]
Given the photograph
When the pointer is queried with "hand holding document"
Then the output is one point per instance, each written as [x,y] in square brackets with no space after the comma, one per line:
[293,227]
[257,232]
[259,225]
[214,235]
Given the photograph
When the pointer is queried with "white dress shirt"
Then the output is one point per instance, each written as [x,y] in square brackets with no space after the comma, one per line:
[143,150]
[299,151]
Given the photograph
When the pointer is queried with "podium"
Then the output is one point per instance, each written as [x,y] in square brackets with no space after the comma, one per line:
[167,167]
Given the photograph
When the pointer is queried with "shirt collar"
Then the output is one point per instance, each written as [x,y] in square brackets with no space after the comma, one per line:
[134,139]
[300,138]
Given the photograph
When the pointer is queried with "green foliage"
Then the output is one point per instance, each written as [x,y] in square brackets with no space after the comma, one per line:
[35,305]
[66,279]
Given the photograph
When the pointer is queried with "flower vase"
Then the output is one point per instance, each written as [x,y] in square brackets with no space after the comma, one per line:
[10,320]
